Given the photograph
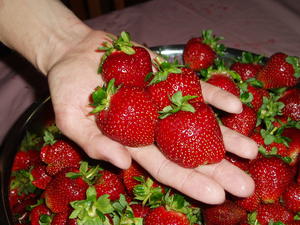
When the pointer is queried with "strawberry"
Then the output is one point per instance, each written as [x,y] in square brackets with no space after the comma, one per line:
[40,214]
[169,79]
[61,218]
[191,137]
[243,122]
[291,100]
[227,213]
[250,203]
[59,154]
[62,190]
[200,52]
[280,70]
[267,213]
[257,96]
[40,177]
[127,64]
[271,177]
[140,210]
[126,115]
[291,197]
[247,65]
[242,163]
[109,183]
[225,82]
[24,159]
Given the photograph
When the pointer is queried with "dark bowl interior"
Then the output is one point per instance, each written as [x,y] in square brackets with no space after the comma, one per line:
[40,111]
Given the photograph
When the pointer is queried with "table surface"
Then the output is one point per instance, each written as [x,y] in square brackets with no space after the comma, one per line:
[262,27]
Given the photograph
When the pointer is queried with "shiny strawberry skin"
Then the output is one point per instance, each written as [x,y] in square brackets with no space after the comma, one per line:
[271,176]
[140,210]
[258,94]
[225,82]
[242,163]
[161,216]
[62,154]
[40,176]
[187,82]
[191,139]
[130,118]
[25,159]
[250,203]
[129,70]
[62,190]
[277,72]
[291,100]
[243,122]
[291,197]
[111,184]
[273,212]
[197,55]
[227,213]
[246,70]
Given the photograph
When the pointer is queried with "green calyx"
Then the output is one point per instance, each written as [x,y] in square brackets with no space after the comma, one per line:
[248,57]
[122,43]
[30,141]
[101,96]
[245,96]
[213,41]
[178,102]
[49,138]
[294,61]
[22,182]
[92,210]
[123,213]
[164,68]
[145,192]
[88,173]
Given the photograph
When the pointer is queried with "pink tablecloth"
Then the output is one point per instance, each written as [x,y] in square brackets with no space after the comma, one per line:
[262,27]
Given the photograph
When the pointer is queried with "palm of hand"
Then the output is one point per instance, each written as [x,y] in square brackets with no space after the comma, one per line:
[73,78]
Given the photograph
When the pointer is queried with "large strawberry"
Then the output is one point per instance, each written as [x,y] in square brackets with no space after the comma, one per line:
[59,154]
[227,213]
[291,100]
[247,65]
[126,63]
[189,136]
[125,114]
[171,78]
[62,190]
[243,122]
[271,176]
[200,52]
[280,70]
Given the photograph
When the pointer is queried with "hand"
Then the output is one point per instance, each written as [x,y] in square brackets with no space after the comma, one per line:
[73,78]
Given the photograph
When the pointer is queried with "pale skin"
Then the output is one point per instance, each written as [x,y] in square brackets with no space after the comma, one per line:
[59,45]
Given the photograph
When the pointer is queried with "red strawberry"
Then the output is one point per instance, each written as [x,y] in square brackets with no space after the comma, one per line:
[190,138]
[40,177]
[247,66]
[170,79]
[162,216]
[24,159]
[140,210]
[258,94]
[242,163]
[243,122]
[274,212]
[59,155]
[40,213]
[62,190]
[61,218]
[280,70]
[200,52]
[227,213]
[109,183]
[250,203]
[291,100]
[271,177]
[127,64]
[129,117]
[291,197]
[225,82]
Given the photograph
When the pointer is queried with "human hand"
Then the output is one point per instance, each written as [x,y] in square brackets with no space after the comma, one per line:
[73,78]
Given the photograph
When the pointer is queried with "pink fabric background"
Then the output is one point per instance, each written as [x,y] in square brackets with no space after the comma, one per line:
[259,26]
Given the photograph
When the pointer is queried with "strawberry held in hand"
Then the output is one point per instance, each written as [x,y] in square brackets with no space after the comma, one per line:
[125,114]
[280,70]
[189,135]
[200,52]
[127,64]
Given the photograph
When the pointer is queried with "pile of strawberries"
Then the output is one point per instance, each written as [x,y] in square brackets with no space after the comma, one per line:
[144,102]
